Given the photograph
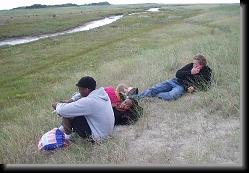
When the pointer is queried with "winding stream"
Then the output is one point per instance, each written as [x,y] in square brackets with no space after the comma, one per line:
[85,27]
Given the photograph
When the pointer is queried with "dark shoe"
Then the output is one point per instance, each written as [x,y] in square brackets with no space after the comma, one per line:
[133,91]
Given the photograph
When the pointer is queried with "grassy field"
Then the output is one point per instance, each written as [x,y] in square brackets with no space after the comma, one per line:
[22,22]
[140,50]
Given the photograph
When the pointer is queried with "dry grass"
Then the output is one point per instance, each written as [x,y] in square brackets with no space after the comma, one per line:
[203,128]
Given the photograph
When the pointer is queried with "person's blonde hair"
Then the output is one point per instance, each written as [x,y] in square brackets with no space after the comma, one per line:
[122,88]
[201,59]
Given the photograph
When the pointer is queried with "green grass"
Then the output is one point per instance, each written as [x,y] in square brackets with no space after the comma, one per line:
[22,22]
[139,50]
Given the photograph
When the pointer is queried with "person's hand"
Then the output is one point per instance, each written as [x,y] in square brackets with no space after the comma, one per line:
[54,105]
[190,89]
[66,101]
[195,70]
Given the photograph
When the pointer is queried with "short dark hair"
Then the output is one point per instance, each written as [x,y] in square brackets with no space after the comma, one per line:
[87,82]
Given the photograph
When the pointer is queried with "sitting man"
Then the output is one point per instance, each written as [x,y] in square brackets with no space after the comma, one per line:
[89,113]
[192,77]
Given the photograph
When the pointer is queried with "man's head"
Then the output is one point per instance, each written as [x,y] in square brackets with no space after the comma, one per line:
[86,85]
[199,61]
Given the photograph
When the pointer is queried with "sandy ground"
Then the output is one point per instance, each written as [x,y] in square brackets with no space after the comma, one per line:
[167,138]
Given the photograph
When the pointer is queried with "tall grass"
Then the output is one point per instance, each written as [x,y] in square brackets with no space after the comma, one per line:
[139,50]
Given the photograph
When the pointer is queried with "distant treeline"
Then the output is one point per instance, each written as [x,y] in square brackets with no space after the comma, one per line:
[99,3]
[34,6]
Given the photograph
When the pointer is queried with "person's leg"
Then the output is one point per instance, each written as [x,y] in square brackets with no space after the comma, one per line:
[81,126]
[66,125]
[176,91]
[155,89]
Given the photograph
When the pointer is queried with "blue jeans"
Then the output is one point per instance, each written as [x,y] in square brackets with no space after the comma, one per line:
[166,90]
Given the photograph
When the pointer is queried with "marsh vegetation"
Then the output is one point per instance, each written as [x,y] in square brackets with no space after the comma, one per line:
[139,50]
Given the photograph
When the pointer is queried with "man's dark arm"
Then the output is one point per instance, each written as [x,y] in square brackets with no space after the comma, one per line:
[184,71]
[208,75]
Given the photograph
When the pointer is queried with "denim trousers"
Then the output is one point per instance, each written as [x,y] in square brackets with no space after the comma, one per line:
[166,90]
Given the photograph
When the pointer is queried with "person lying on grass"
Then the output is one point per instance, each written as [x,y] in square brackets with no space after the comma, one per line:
[192,77]
[126,108]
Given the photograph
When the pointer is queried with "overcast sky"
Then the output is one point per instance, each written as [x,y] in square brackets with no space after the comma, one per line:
[9,4]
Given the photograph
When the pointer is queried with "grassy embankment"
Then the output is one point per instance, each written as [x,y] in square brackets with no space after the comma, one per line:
[139,50]
[19,22]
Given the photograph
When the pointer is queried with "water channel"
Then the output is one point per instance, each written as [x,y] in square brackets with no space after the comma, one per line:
[85,27]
